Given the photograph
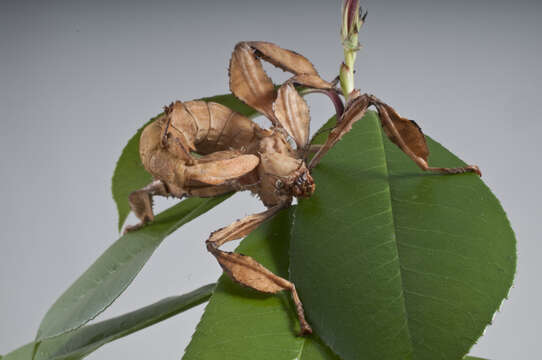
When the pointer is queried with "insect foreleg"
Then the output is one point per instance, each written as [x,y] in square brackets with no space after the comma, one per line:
[247,271]
[220,169]
[344,125]
[250,83]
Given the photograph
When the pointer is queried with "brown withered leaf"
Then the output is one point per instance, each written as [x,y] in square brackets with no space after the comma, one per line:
[249,82]
[292,112]
[410,132]
[285,59]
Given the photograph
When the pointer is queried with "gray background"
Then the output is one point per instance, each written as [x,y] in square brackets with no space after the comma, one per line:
[78,78]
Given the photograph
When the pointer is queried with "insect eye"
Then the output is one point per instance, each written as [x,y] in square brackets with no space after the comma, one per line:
[279,184]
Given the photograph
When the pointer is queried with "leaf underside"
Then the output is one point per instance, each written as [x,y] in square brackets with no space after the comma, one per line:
[393,263]
[81,342]
[116,268]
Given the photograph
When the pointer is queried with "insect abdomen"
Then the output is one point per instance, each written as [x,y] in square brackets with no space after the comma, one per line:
[206,127]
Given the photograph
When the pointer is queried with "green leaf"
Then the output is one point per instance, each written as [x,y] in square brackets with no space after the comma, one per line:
[22,353]
[81,342]
[129,173]
[240,323]
[393,263]
[116,268]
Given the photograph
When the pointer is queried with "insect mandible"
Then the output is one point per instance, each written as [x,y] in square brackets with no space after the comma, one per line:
[204,149]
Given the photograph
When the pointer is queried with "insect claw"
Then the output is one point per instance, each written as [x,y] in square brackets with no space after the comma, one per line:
[364,16]
[132,228]
[305,330]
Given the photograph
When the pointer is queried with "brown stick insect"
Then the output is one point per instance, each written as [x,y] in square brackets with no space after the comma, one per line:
[205,149]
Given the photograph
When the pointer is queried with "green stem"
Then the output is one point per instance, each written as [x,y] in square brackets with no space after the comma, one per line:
[346,74]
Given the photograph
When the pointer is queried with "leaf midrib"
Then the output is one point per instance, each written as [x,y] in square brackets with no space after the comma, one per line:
[388,185]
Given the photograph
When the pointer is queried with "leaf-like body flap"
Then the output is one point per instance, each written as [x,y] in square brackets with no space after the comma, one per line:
[311,81]
[218,171]
[292,112]
[285,59]
[410,132]
[249,82]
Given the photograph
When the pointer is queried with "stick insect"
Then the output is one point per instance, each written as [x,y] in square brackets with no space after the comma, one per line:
[235,154]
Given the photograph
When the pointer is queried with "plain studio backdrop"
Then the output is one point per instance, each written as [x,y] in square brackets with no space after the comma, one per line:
[77,78]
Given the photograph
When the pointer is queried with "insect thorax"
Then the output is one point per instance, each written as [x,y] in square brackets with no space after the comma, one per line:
[282,174]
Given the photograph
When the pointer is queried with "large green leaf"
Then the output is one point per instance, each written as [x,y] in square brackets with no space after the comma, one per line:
[240,323]
[81,342]
[393,263]
[129,173]
[116,268]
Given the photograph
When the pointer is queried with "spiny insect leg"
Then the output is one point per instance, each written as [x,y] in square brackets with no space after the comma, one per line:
[247,271]
[141,203]
[387,122]
[405,133]
[344,125]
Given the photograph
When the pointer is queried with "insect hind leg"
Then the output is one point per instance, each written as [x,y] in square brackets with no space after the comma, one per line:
[404,133]
[389,118]
[141,203]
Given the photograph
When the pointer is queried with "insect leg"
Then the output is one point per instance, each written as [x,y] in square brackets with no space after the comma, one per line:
[141,203]
[344,125]
[388,123]
[250,83]
[219,167]
[247,271]
[406,134]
